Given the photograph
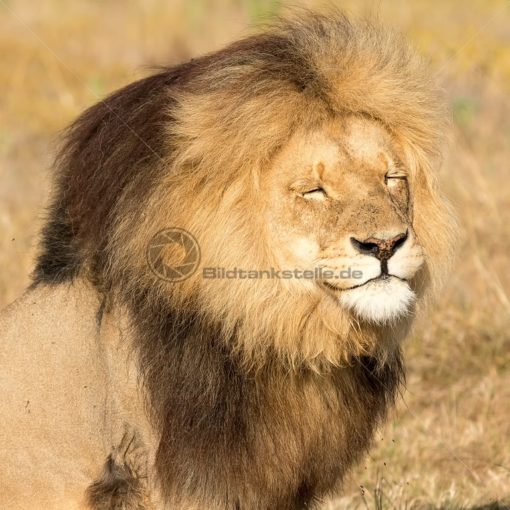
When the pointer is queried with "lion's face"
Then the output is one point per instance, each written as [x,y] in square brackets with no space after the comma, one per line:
[339,204]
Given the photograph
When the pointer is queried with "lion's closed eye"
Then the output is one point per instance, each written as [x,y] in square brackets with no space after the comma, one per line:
[315,194]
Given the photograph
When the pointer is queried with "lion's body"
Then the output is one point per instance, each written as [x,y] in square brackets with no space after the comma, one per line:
[312,145]
[69,390]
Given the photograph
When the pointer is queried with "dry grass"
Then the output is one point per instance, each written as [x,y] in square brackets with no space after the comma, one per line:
[448,444]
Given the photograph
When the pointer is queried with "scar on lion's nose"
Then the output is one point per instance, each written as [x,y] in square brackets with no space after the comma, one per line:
[382,249]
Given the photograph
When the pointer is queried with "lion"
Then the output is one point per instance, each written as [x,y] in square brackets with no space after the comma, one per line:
[311,148]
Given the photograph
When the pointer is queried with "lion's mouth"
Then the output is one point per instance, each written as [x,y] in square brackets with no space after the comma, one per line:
[380,278]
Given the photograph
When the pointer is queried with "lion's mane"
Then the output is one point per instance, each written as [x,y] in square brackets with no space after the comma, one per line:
[185,148]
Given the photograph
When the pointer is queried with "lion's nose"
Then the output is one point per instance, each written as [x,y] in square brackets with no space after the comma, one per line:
[382,249]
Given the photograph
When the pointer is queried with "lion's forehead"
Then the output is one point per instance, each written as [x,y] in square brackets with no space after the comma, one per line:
[342,145]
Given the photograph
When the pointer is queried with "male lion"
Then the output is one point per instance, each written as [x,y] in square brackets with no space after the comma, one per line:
[310,147]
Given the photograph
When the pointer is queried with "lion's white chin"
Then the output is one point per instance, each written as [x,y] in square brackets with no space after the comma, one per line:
[379,301]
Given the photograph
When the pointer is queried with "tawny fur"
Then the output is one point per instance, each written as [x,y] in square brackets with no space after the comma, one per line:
[260,395]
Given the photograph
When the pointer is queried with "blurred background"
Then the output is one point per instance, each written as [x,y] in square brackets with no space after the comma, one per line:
[447,446]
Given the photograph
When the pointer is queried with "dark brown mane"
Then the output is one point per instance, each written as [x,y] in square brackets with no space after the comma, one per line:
[92,172]
[217,423]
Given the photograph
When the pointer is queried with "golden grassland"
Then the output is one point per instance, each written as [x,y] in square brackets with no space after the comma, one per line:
[448,443]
